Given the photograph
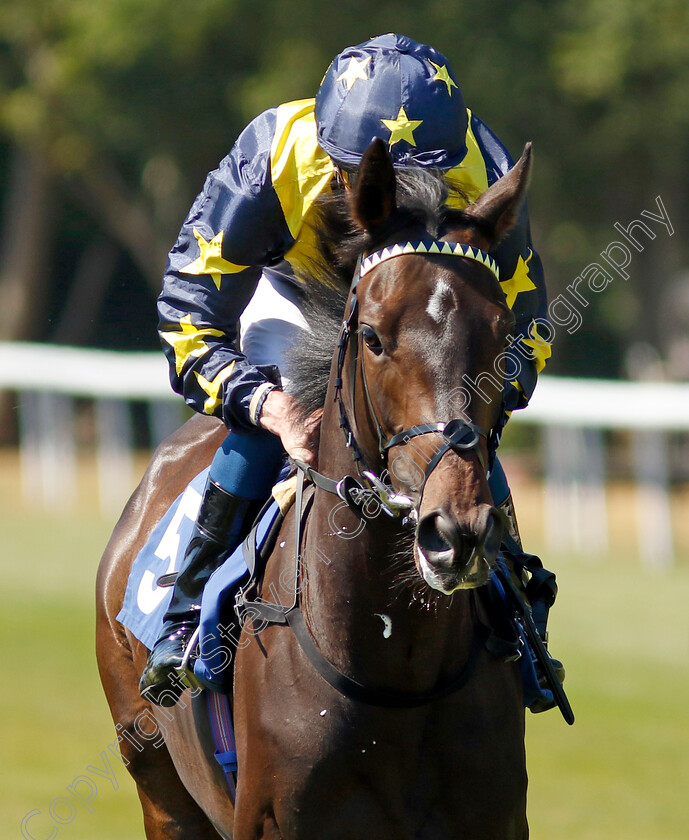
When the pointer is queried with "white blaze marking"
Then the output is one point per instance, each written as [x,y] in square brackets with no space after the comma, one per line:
[440,301]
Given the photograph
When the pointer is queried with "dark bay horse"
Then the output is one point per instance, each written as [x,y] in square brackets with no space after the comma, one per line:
[431,743]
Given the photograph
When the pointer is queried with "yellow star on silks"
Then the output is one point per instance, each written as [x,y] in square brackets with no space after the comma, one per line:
[540,347]
[355,70]
[212,387]
[210,259]
[402,128]
[442,75]
[189,341]
[519,281]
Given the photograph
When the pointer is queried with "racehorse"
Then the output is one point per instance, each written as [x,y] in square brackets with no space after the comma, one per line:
[380,712]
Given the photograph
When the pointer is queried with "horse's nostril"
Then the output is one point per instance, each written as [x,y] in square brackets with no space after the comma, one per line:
[450,558]
[429,536]
[441,542]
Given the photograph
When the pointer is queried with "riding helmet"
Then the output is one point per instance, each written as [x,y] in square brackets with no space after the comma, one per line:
[399,90]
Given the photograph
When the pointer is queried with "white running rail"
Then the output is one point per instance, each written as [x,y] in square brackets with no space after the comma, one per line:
[572,412]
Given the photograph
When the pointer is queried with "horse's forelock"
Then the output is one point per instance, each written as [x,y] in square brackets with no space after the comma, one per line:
[422,196]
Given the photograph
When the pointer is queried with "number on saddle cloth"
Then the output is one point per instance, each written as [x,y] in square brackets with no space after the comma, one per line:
[147,598]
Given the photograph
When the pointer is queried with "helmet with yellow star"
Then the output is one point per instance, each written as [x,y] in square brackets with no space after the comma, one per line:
[399,90]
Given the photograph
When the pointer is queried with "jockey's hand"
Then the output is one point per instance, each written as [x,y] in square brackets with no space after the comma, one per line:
[300,438]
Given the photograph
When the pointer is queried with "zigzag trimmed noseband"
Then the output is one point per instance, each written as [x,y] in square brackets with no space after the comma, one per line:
[429,246]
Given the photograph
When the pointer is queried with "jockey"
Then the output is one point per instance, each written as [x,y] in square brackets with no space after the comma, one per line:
[234,261]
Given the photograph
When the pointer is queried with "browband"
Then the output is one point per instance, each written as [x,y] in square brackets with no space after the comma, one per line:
[429,246]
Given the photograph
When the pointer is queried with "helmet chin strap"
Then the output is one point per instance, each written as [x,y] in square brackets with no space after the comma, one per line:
[343,177]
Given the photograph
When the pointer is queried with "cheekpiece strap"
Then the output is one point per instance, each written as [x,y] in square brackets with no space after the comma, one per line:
[428,247]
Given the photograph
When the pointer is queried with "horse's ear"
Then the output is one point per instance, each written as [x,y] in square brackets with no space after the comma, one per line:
[373,199]
[497,208]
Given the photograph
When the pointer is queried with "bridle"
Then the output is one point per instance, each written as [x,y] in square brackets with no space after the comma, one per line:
[458,434]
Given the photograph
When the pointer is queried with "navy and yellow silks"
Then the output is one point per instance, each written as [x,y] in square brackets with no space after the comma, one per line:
[254,212]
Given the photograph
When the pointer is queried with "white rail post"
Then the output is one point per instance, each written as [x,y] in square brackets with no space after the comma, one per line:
[555,496]
[29,445]
[48,452]
[574,491]
[114,455]
[164,418]
[594,509]
[653,514]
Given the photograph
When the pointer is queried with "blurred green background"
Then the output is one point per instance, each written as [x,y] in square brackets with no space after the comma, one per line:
[112,112]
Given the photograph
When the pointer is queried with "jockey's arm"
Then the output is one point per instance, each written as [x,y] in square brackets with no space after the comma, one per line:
[522,280]
[521,276]
[234,228]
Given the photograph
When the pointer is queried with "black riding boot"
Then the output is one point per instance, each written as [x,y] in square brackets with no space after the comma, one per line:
[221,516]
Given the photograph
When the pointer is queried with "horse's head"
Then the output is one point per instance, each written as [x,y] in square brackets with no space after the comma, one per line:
[428,333]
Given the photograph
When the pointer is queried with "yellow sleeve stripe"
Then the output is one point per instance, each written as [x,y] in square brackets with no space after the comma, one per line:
[300,170]
[470,176]
[212,388]
[188,342]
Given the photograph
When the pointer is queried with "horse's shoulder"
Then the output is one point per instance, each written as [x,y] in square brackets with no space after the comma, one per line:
[182,455]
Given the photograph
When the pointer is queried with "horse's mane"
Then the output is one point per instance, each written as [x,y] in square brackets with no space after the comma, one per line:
[422,197]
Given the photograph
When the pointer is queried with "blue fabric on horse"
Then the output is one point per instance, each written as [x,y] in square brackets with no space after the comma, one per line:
[219,626]
[534,693]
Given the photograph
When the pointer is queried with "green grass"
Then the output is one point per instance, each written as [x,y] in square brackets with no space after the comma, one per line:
[54,717]
[619,773]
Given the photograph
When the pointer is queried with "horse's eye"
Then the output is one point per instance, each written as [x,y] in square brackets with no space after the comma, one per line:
[371,339]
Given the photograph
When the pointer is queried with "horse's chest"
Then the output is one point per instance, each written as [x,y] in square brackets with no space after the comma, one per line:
[372,779]
[346,770]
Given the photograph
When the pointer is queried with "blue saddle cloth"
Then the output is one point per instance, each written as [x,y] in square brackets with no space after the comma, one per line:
[145,601]
[219,634]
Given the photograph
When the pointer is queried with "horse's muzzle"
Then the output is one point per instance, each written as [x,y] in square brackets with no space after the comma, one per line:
[451,557]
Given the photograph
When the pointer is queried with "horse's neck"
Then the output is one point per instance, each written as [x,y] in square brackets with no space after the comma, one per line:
[363,598]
